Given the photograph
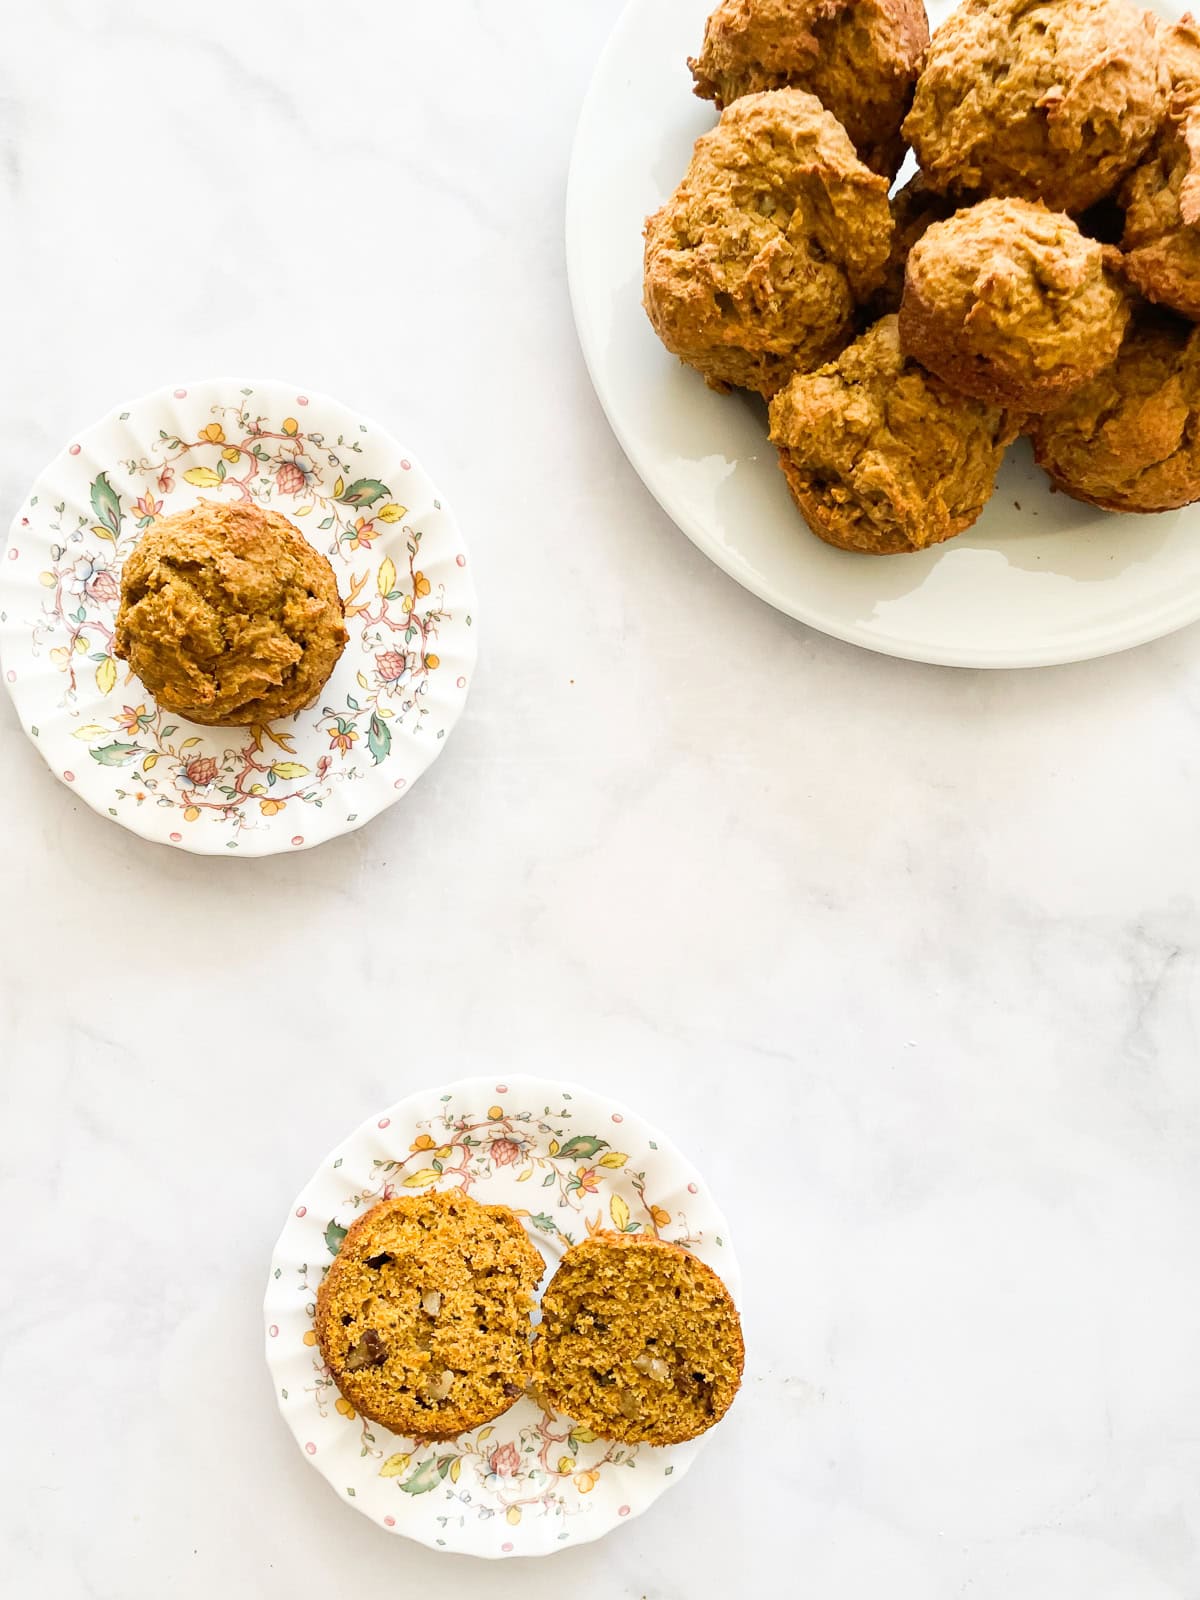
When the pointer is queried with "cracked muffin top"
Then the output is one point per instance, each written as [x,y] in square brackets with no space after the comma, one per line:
[229,616]
[423,1316]
[754,265]
[1009,302]
[639,1341]
[1161,198]
[1130,439]
[859,57]
[880,455]
[1050,100]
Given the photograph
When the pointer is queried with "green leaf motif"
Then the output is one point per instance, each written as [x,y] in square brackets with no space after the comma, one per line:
[379,740]
[334,1234]
[583,1146]
[365,492]
[106,503]
[422,1479]
[116,755]
[545,1223]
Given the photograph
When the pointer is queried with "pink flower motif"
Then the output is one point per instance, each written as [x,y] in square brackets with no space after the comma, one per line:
[166,480]
[295,471]
[391,665]
[201,771]
[506,1151]
[103,587]
[504,1461]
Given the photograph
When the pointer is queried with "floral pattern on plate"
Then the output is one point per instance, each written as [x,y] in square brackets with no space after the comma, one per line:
[401,569]
[569,1164]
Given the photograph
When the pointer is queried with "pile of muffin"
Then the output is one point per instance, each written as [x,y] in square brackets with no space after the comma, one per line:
[423,1322]
[1039,274]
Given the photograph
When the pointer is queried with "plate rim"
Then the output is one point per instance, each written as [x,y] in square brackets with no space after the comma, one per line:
[202,844]
[518,1082]
[1166,619]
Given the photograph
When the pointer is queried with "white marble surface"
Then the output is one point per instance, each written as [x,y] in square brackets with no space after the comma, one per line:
[905,958]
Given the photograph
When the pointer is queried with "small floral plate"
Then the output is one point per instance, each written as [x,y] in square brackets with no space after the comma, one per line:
[401,567]
[569,1164]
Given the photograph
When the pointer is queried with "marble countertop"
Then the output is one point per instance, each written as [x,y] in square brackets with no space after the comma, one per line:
[904,958]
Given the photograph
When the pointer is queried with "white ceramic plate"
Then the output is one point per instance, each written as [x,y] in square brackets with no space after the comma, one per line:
[569,1163]
[401,566]
[1038,579]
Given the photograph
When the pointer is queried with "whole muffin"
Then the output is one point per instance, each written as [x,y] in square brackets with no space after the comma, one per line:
[1161,238]
[639,1341]
[1130,439]
[881,456]
[754,265]
[1053,101]
[859,57]
[423,1318]
[1009,302]
[229,616]
[914,208]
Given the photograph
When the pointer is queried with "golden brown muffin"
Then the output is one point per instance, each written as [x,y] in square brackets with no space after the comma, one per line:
[1009,302]
[881,456]
[914,209]
[1050,100]
[859,57]
[1130,440]
[639,1341]
[754,265]
[423,1318]
[229,616]
[1161,239]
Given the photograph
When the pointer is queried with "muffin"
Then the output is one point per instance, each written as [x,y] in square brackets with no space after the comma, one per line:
[914,208]
[639,1341]
[229,616]
[859,57]
[1130,439]
[1161,198]
[423,1318]
[1054,101]
[754,265]
[882,457]
[1009,302]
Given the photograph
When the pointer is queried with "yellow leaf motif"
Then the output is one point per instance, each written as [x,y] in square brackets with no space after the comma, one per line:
[614,1159]
[455,1469]
[81,647]
[232,455]
[513,1515]
[202,477]
[417,1180]
[150,762]
[106,675]
[302,511]
[290,425]
[392,512]
[583,1436]
[188,743]
[338,487]
[521,1176]
[566,1465]
[289,769]
[485,1433]
[406,604]
[385,578]
[102,532]
[553,1147]
[60,656]
[362,680]
[394,1465]
[618,1209]
[90,730]
[47,580]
